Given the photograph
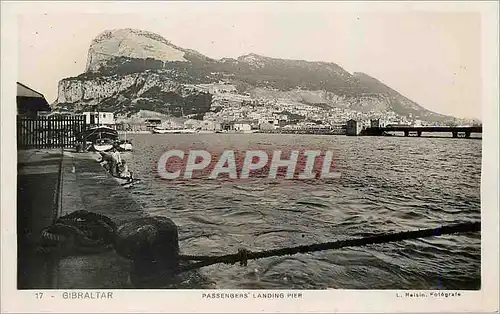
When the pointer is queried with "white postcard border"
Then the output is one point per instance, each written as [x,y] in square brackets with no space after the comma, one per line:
[181,301]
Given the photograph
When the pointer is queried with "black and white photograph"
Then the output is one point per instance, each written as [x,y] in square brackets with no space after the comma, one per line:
[249,147]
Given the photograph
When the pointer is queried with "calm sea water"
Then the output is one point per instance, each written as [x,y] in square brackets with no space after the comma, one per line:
[388,184]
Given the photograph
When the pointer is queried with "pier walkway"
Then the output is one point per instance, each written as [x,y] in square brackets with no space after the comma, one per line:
[84,185]
[37,185]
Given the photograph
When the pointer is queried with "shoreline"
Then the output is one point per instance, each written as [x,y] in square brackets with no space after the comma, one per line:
[297,133]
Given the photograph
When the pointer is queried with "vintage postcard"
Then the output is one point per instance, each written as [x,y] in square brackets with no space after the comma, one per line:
[249,157]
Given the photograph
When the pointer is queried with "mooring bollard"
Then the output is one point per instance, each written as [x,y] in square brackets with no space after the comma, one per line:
[152,243]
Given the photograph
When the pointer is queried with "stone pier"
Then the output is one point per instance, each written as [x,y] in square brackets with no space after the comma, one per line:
[86,186]
[45,193]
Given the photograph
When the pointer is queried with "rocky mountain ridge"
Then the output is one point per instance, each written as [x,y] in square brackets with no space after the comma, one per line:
[129,70]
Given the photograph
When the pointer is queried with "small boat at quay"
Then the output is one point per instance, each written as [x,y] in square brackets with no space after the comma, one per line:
[103,139]
[100,138]
[102,145]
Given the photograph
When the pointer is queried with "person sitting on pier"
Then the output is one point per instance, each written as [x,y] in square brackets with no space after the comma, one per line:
[106,161]
[124,171]
[116,161]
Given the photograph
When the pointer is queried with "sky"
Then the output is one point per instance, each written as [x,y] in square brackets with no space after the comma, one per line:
[433,58]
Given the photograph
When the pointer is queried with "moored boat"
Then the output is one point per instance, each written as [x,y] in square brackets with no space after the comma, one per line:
[99,132]
[101,147]
[205,132]
[187,131]
[161,131]
[100,138]
[173,131]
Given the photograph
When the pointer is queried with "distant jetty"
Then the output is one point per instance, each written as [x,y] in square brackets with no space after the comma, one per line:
[409,130]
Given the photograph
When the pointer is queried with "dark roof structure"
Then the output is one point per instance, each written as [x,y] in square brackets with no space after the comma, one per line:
[29,101]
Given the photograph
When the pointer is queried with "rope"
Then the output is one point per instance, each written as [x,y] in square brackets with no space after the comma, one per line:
[78,232]
[244,255]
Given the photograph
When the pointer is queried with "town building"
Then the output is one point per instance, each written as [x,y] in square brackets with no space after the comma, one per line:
[152,123]
[227,126]
[352,128]
[242,126]
[375,123]
[192,124]
[100,118]
[266,126]
[208,125]
[174,123]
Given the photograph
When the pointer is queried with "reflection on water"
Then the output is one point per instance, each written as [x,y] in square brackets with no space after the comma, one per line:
[387,184]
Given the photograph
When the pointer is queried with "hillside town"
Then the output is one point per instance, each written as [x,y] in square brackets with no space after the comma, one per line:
[164,91]
[240,112]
